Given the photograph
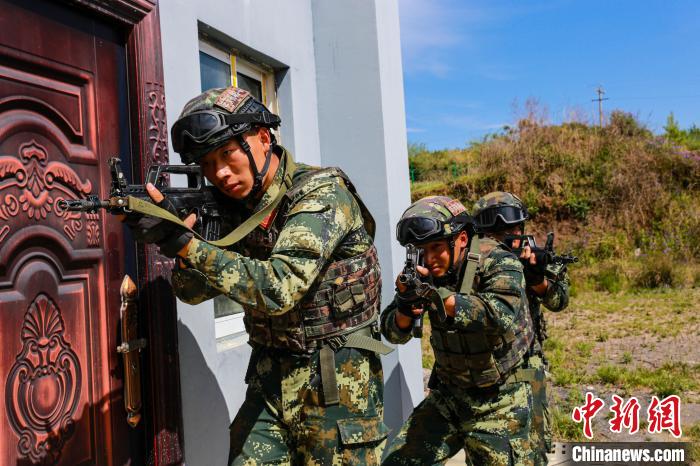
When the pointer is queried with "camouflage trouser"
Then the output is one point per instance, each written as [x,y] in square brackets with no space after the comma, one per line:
[542,418]
[495,430]
[283,419]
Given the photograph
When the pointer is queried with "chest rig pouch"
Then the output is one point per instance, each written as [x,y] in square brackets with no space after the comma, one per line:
[478,356]
[340,307]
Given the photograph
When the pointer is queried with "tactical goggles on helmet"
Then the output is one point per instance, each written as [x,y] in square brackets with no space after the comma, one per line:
[203,128]
[509,215]
[423,229]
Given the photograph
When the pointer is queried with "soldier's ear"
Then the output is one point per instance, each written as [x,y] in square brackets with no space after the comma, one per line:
[264,134]
[462,239]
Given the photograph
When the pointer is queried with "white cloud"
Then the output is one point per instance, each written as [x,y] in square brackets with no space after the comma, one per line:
[429,27]
[431,30]
[415,130]
[469,123]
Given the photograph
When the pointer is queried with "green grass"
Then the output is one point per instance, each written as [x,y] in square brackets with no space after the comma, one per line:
[693,433]
[563,427]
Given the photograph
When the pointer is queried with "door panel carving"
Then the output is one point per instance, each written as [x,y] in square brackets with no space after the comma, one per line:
[31,188]
[43,387]
[59,271]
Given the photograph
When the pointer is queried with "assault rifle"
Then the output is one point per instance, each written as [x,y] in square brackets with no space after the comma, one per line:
[544,255]
[205,201]
[420,288]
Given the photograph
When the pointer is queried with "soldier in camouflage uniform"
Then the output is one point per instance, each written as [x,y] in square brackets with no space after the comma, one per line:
[498,214]
[480,395]
[307,277]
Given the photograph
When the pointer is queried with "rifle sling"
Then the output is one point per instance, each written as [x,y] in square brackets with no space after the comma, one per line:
[473,258]
[147,208]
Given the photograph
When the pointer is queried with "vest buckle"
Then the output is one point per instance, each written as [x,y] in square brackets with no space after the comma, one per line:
[474,257]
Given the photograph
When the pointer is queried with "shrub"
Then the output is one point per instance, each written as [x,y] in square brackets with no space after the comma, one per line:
[610,374]
[626,124]
[609,278]
[608,191]
[657,271]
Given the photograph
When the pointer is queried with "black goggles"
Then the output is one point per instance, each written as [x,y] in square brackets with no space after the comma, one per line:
[509,215]
[421,229]
[198,128]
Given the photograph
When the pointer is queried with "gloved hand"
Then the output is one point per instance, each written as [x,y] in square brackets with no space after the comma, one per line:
[534,273]
[408,300]
[168,236]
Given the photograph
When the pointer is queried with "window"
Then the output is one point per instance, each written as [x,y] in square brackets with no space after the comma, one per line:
[219,68]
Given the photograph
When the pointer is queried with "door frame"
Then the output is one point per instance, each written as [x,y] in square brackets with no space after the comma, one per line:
[162,404]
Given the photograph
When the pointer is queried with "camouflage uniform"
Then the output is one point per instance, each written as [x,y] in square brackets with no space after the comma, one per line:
[275,273]
[471,404]
[556,298]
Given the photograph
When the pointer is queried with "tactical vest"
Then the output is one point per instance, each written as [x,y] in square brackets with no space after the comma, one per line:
[478,356]
[345,296]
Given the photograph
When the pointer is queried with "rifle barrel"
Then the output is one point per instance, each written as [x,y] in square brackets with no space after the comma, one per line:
[83,205]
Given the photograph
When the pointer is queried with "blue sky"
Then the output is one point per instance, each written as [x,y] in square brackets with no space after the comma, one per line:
[470,66]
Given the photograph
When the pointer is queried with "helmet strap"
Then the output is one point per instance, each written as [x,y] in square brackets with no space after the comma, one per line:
[258,176]
[451,245]
[455,262]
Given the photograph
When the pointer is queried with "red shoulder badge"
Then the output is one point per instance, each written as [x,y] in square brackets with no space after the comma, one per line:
[267,222]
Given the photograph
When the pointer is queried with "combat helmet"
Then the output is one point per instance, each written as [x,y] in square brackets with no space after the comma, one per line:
[498,211]
[434,218]
[211,119]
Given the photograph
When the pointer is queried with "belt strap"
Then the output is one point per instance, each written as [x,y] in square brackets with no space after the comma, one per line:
[361,339]
[328,379]
[523,375]
[368,343]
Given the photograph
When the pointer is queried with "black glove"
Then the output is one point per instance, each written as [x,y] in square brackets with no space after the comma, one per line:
[406,301]
[534,274]
[168,236]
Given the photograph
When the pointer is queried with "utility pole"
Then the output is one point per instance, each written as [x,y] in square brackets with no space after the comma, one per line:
[600,100]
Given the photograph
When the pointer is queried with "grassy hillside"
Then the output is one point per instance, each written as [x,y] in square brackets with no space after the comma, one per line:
[628,204]
[619,197]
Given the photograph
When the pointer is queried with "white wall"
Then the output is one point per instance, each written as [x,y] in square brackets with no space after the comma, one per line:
[282,31]
[363,130]
[341,103]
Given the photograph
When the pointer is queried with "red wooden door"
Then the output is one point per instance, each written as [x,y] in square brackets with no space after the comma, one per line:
[62,76]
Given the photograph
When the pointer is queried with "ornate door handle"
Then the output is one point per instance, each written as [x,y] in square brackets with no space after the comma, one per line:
[130,348]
